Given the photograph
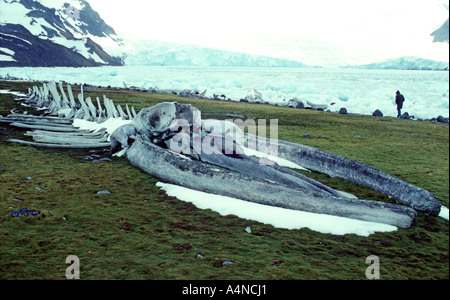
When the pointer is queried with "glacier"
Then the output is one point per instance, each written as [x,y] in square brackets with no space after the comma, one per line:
[358,90]
[160,53]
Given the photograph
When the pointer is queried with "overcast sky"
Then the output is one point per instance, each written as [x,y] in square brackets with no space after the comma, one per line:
[344,31]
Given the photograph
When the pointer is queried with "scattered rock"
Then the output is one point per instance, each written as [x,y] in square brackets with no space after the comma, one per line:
[295,103]
[405,116]
[343,111]
[442,119]
[227,263]
[357,136]
[276,265]
[199,255]
[38,188]
[25,211]
[306,136]
[248,229]
[377,113]
[254,96]
[29,177]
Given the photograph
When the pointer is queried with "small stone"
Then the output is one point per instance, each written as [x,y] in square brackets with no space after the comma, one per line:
[227,263]
[38,188]
[276,265]
[26,211]
[248,229]
[343,111]
[306,136]
[103,192]
[442,119]
[199,255]
[405,116]
[357,136]
[29,177]
[377,113]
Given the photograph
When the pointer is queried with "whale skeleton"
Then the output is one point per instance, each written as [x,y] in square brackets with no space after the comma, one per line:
[58,108]
[147,142]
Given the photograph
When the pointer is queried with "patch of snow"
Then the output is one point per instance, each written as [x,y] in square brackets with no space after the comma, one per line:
[275,216]
[444,213]
[6,58]
[7,51]
[13,36]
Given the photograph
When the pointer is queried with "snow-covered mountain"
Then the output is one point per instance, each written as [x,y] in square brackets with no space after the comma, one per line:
[157,53]
[55,33]
[404,63]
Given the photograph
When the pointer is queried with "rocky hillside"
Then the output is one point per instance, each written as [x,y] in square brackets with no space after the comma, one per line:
[54,33]
[441,34]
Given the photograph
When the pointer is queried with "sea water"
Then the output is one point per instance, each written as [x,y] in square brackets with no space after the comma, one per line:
[359,91]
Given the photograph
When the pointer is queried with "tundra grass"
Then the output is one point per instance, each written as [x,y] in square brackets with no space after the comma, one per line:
[138,232]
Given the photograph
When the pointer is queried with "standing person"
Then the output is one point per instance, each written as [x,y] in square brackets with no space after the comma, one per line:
[399,99]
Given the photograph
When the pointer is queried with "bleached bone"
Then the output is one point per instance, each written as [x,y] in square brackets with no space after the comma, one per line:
[84,107]
[99,105]
[63,146]
[54,93]
[130,117]
[65,101]
[121,112]
[113,108]
[71,98]
[91,107]
[48,128]
[69,139]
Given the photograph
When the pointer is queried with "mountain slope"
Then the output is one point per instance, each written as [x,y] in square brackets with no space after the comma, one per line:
[54,33]
[441,35]
[404,63]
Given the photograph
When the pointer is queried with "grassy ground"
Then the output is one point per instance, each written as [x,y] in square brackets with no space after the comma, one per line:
[137,232]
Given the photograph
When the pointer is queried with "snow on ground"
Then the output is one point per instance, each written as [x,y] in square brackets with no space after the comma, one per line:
[6,58]
[360,91]
[275,216]
[444,213]
[7,51]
